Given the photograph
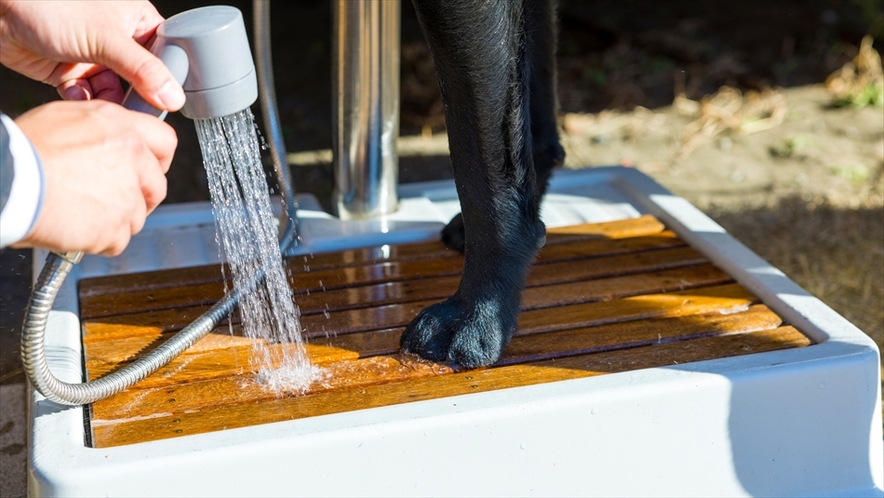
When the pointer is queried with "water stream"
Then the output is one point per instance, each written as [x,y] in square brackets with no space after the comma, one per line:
[246,231]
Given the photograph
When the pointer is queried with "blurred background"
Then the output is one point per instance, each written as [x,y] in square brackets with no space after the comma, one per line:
[766,114]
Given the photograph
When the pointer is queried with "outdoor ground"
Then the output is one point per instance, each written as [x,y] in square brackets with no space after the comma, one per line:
[772,158]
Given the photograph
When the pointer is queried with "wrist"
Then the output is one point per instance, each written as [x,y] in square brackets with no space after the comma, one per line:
[23,206]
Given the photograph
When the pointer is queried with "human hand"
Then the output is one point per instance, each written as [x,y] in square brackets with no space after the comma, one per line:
[82,48]
[103,173]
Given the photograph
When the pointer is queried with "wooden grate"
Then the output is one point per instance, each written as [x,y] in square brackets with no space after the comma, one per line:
[601,298]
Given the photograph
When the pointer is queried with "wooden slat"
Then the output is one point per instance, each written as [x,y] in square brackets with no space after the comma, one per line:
[435,385]
[148,323]
[201,293]
[624,335]
[222,363]
[117,351]
[584,248]
[152,280]
[644,225]
[619,229]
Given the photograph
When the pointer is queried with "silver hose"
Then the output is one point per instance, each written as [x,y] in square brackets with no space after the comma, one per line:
[48,284]
[58,266]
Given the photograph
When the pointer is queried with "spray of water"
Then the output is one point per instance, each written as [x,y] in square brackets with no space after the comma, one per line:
[247,235]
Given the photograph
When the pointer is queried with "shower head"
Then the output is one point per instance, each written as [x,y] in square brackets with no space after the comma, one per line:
[207,51]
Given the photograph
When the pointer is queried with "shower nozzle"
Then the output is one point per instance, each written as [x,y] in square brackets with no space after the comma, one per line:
[207,51]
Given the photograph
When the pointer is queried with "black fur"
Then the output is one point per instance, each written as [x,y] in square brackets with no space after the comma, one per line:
[496,66]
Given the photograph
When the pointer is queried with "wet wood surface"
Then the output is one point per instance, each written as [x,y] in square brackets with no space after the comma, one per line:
[601,298]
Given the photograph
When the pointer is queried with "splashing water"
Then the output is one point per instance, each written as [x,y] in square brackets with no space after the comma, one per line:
[247,234]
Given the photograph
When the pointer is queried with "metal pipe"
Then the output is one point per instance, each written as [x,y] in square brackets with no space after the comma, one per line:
[272,125]
[365,80]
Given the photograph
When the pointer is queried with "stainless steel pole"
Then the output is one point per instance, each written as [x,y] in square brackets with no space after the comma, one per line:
[365,79]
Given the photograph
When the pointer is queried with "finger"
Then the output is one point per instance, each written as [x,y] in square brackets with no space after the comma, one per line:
[139,216]
[153,189]
[63,73]
[118,244]
[144,71]
[94,82]
[79,89]
[150,173]
[106,86]
[159,137]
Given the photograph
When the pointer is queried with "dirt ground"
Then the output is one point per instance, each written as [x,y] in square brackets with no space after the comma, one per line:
[797,178]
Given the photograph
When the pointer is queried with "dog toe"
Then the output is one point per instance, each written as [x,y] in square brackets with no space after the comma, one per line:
[429,334]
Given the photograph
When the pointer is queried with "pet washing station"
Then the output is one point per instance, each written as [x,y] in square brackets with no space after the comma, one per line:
[656,354]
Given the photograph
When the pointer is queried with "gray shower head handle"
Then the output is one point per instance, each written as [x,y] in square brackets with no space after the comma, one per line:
[207,51]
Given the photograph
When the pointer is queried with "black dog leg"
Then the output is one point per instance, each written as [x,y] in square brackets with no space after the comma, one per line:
[482,60]
[548,154]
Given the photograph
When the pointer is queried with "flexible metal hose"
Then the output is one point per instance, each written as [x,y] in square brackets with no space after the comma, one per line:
[54,272]
[58,266]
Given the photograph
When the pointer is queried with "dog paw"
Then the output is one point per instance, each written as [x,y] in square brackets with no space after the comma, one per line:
[469,336]
[429,334]
[453,234]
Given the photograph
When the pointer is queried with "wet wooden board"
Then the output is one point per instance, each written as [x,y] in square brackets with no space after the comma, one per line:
[601,298]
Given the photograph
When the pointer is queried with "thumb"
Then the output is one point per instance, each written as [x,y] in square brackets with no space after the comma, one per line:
[145,72]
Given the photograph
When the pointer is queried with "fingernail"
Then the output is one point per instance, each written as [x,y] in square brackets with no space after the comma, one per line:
[75,92]
[172,96]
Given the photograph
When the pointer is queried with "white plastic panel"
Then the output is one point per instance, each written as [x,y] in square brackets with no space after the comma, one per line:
[797,422]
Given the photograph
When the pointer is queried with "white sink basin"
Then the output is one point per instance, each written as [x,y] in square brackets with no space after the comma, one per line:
[803,421]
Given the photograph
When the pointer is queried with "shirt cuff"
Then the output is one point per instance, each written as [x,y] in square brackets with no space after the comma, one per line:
[26,195]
